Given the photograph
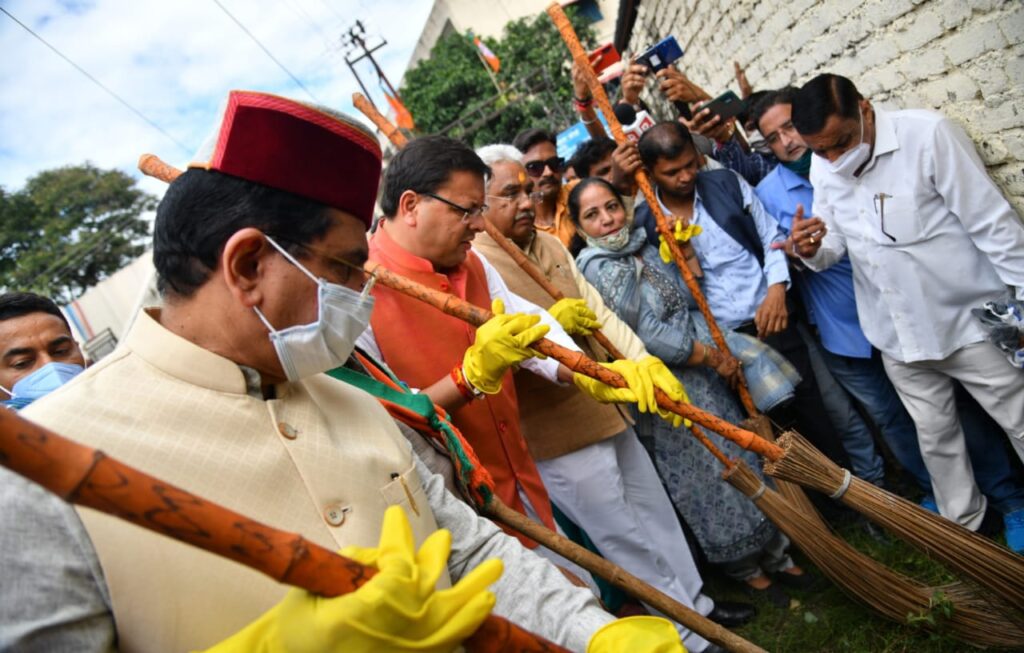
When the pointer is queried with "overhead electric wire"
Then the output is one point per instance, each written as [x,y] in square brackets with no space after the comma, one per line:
[97,82]
[266,51]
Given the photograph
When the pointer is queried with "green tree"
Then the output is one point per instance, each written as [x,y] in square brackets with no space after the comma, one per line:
[69,228]
[440,89]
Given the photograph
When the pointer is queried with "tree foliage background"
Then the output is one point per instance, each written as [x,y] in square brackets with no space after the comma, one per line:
[69,228]
[453,79]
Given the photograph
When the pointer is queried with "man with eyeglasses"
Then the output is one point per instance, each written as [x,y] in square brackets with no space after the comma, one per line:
[545,167]
[433,203]
[930,237]
[592,463]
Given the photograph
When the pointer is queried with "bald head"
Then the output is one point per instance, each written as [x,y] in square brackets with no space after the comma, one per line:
[666,140]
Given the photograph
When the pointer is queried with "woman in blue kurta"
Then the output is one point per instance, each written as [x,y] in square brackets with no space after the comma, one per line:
[637,285]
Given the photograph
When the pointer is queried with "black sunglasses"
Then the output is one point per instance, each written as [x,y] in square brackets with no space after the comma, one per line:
[536,168]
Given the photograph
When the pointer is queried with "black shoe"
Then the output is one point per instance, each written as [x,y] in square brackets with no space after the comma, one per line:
[732,614]
[773,594]
[805,582]
[991,524]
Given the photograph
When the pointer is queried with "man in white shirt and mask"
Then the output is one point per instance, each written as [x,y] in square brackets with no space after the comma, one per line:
[930,237]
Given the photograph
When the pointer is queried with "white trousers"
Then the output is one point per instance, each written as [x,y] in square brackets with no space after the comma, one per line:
[926,389]
[612,491]
[557,559]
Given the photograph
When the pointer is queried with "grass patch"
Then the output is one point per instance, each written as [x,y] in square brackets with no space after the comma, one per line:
[828,621]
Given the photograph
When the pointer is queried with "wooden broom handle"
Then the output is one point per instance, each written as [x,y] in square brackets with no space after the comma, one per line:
[535,273]
[574,360]
[579,55]
[88,477]
[152,166]
[389,130]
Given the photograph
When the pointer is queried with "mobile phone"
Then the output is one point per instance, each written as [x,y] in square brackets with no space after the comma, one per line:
[725,106]
[603,57]
[660,55]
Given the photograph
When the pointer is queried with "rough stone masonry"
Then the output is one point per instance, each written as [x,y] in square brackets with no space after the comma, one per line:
[964,58]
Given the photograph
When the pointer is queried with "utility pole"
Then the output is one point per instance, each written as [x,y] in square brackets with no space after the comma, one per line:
[355,39]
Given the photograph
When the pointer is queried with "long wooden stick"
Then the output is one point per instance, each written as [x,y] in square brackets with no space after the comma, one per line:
[452,305]
[534,272]
[621,578]
[87,477]
[389,130]
[579,55]
[574,360]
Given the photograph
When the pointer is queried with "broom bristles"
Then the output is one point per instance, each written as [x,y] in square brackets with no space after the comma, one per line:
[966,553]
[793,493]
[891,594]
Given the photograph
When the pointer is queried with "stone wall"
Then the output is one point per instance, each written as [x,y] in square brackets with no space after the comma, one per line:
[964,58]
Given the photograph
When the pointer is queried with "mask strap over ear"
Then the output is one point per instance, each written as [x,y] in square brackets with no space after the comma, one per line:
[291,259]
[263,318]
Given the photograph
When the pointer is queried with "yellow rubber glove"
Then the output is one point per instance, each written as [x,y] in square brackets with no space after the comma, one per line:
[575,316]
[663,378]
[501,342]
[637,635]
[399,609]
[639,390]
[681,234]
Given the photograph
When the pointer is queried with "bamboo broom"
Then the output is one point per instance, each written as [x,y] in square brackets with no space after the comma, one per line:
[968,554]
[987,575]
[152,166]
[88,477]
[895,596]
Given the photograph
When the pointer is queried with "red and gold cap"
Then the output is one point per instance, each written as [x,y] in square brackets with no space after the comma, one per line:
[304,149]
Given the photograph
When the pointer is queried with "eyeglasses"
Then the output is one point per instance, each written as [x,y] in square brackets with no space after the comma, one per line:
[773,137]
[535,197]
[536,168]
[467,214]
[343,270]
[879,201]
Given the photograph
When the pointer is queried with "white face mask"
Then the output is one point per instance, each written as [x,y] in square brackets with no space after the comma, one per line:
[308,349]
[613,241]
[851,160]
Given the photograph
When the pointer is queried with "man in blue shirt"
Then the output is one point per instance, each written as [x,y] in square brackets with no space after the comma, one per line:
[744,279]
[831,305]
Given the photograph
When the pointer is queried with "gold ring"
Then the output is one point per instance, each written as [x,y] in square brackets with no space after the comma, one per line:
[812,239]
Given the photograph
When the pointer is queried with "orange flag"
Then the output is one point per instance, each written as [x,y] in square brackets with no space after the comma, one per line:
[489,57]
[402,116]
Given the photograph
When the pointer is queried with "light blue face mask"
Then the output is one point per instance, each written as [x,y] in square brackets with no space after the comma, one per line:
[41,382]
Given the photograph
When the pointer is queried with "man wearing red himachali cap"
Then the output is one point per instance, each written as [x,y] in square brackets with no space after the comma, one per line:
[258,248]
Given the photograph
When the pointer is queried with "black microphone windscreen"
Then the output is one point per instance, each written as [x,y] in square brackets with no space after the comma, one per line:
[625,113]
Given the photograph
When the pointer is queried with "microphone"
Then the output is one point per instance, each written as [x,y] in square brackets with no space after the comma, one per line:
[634,123]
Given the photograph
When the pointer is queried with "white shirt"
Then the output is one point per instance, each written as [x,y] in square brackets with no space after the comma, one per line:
[735,284]
[953,240]
[546,367]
